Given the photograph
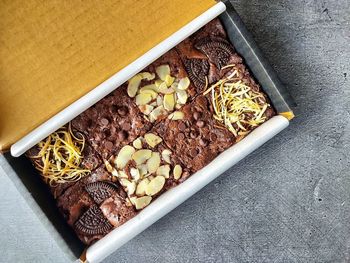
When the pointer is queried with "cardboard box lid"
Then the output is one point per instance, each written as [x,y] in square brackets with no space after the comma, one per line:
[54,52]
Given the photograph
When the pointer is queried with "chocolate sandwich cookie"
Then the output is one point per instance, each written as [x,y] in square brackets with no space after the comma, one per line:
[111,123]
[206,53]
[196,138]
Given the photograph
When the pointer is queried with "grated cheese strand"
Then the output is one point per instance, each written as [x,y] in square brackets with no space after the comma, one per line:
[237,105]
[60,156]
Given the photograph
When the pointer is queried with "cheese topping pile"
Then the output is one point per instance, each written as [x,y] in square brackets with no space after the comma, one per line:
[60,156]
[236,105]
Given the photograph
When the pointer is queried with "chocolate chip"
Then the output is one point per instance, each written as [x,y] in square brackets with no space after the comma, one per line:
[200,124]
[196,115]
[213,137]
[193,134]
[193,152]
[104,121]
[181,136]
[203,142]
[93,222]
[122,111]
[109,145]
[107,133]
[126,126]
[181,126]
[122,135]
[114,109]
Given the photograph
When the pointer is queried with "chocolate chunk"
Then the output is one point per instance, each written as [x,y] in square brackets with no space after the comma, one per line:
[200,124]
[114,109]
[100,191]
[93,222]
[196,115]
[122,135]
[197,70]
[218,52]
[193,134]
[181,126]
[203,142]
[193,152]
[181,136]
[122,111]
[213,137]
[104,121]
[126,126]
[109,145]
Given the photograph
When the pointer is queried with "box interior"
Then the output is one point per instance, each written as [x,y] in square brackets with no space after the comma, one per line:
[245,46]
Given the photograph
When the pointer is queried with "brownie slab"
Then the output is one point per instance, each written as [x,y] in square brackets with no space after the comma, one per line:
[95,205]
[111,123]
[197,138]
[146,168]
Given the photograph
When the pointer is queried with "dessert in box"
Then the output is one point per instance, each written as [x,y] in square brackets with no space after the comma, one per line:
[151,134]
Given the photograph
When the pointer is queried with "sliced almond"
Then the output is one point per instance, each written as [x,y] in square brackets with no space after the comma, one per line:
[158,82]
[109,167]
[181,96]
[143,98]
[150,92]
[178,106]
[152,87]
[152,139]
[124,156]
[184,83]
[122,174]
[155,185]
[135,173]
[177,172]
[169,102]
[153,163]
[156,113]
[163,71]
[166,155]
[176,115]
[133,85]
[141,187]
[169,80]
[137,143]
[159,100]
[163,88]
[164,171]
[141,202]
[130,187]
[147,75]
[141,156]
[142,169]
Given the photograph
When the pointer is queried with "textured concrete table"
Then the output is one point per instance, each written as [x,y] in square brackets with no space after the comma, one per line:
[287,202]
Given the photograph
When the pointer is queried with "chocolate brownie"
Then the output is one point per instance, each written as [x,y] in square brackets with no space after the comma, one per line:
[205,53]
[90,160]
[162,87]
[146,168]
[197,138]
[111,123]
[87,206]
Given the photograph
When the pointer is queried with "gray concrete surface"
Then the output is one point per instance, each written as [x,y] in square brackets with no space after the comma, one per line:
[287,202]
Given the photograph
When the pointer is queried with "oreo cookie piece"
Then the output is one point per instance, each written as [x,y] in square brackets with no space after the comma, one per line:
[100,191]
[197,70]
[219,52]
[93,222]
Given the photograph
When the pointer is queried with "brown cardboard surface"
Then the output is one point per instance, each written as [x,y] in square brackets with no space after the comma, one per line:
[54,52]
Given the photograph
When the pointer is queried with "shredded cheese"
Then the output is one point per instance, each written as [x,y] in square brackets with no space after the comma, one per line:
[60,156]
[236,105]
